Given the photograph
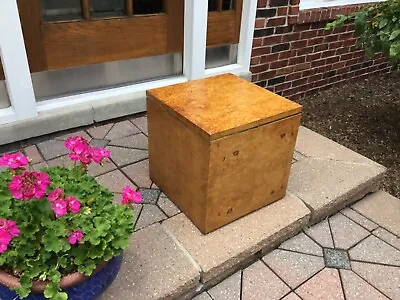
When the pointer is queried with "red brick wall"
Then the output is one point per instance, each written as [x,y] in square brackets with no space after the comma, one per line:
[294,56]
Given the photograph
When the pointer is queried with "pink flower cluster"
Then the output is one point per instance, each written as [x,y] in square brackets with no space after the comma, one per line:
[8,230]
[75,237]
[130,196]
[62,204]
[13,161]
[29,185]
[80,150]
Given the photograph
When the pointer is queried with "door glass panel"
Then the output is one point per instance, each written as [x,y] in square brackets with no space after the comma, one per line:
[60,10]
[221,56]
[147,7]
[107,8]
[4,100]
[225,5]
[212,5]
[76,80]
[228,4]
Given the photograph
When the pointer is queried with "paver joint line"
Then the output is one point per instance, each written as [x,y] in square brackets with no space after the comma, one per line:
[187,254]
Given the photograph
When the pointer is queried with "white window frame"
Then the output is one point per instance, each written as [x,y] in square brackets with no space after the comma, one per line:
[19,82]
[310,4]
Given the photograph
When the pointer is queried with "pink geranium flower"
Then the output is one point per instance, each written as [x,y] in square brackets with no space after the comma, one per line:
[59,207]
[99,154]
[55,195]
[5,240]
[8,229]
[80,149]
[29,185]
[13,161]
[130,195]
[73,204]
[12,227]
[75,237]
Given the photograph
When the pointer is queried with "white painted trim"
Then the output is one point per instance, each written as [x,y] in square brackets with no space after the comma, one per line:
[246,33]
[129,91]
[310,4]
[234,68]
[7,115]
[15,62]
[195,36]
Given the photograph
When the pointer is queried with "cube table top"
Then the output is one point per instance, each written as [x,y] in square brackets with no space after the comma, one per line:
[223,105]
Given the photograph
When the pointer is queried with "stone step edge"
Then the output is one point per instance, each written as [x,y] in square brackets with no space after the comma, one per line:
[203,286]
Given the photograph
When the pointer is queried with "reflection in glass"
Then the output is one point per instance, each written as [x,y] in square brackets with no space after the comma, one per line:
[81,79]
[60,10]
[221,56]
[107,8]
[147,7]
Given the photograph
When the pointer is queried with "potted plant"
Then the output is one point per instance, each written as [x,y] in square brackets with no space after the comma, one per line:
[61,235]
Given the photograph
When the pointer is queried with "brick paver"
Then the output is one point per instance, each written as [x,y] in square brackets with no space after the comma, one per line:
[137,141]
[229,289]
[294,268]
[345,232]
[354,254]
[121,129]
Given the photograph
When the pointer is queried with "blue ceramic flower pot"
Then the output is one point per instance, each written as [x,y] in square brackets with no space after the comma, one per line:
[90,289]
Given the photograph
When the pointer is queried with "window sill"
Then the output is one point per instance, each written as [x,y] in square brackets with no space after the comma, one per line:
[310,4]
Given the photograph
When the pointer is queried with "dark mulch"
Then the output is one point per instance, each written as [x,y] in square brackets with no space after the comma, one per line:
[363,115]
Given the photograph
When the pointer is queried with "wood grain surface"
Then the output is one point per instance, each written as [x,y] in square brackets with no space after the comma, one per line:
[222,105]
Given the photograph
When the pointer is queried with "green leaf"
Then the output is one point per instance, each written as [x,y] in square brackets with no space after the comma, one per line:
[394,35]
[52,242]
[394,51]
[383,23]
[60,296]
[51,290]
[25,288]
[87,268]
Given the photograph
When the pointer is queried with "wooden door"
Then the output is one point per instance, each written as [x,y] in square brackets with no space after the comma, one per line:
[224,19]
[95,36]
[139,28]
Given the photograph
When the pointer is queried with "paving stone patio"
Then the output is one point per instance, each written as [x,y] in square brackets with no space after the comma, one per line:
[353,254]
[315,264]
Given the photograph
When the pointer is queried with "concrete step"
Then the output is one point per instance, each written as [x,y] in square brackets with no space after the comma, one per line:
[173,260]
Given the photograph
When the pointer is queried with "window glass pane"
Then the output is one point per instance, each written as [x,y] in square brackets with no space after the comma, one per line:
[69,81]
[221,56]
[4,100]
[228,4]
[60,10]
[146,7]
[212,5]
[107,8]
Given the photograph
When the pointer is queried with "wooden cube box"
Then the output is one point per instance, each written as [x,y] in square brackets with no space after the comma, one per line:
[220,147]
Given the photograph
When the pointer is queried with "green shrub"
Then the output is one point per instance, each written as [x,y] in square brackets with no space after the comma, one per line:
[378,28]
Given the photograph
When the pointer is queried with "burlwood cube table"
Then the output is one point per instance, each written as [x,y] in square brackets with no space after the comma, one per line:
[220,147]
